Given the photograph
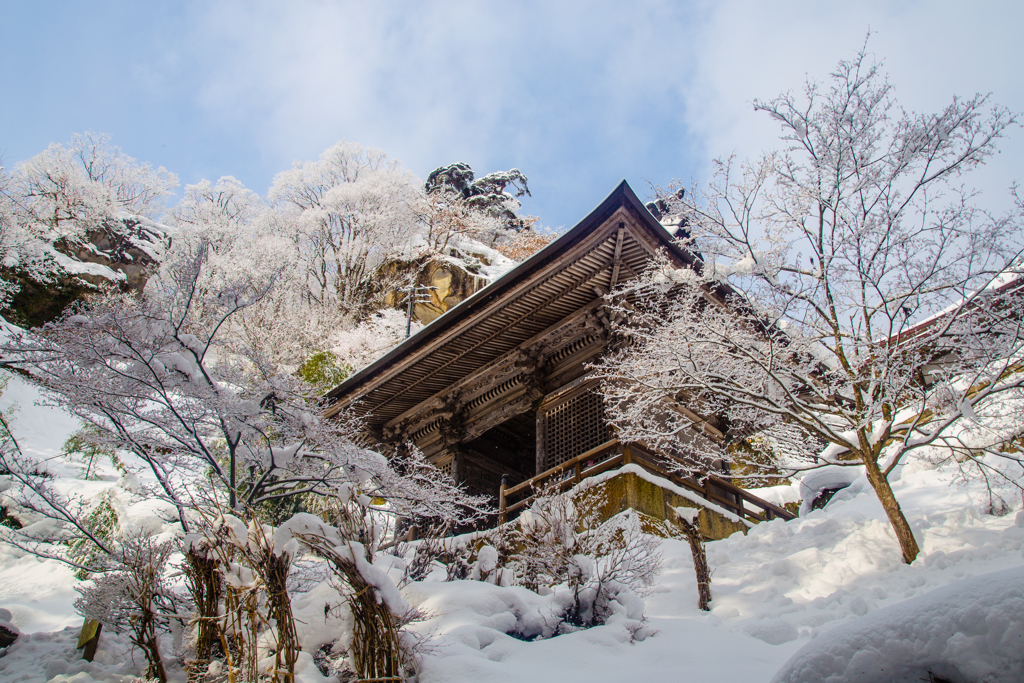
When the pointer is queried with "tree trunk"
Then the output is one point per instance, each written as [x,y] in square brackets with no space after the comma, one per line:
[700,562]
[905,536]
[145,638]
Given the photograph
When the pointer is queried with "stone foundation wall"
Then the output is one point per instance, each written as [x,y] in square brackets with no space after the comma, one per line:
[627,490]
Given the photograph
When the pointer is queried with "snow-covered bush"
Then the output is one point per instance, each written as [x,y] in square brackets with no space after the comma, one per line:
[258,623]
[324,370]
[557,548]
[201,569]
[561,546]
[375,610]
[134,595]
[430,552]
[240,574]
[254,561]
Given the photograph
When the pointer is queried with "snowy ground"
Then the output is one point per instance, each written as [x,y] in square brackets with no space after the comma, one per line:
[38,594]
[774,590]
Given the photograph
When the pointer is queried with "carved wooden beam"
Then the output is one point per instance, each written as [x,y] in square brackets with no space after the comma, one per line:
[484,374]
[495,416]
[453,430]
[617,258]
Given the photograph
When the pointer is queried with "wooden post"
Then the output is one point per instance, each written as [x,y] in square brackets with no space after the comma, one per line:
[691,529]
[627,455]
[541,436]
[501,499]
[579,472]
[458,464]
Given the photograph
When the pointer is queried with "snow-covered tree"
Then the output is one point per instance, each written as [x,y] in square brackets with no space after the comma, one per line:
[244,234]
[851,295]
[447,214]
[487,196]
[211,427]
[160,377]
[67,192]
[12,236]
[358,346]
[349,212]
[488,205]
[217,210]
[77,217]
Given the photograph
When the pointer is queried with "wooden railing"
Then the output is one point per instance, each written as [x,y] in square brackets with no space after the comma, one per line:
[612,455]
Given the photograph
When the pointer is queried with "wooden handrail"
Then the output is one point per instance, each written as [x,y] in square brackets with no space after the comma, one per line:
[594,470]
[628,457]
[547,474]
[742,493]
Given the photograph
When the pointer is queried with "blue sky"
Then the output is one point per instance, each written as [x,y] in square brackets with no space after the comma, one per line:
[577,95]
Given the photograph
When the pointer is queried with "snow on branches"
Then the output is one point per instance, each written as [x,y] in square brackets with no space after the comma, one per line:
[161,377]
[70,210]
[348,212]
[66,192]
[135,595]
[851,294]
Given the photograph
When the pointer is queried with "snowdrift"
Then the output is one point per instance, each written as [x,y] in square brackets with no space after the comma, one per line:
[971,631]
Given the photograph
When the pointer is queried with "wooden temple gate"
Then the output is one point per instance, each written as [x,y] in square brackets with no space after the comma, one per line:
[496,391]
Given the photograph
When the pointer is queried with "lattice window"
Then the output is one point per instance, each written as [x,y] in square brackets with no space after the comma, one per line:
[479,481]
[574,427]
[446,465]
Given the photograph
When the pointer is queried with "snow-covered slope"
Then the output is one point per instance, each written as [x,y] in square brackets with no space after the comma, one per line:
[39,594]
[774,590]
[782,586]
[972,630]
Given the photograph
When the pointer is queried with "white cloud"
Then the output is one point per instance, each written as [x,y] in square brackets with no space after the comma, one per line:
[932,50]
[577,93]
[436,82]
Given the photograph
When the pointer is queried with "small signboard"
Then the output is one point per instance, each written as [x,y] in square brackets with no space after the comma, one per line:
[89,638]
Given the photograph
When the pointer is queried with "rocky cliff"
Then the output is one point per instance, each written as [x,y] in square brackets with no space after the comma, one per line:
[120,254]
